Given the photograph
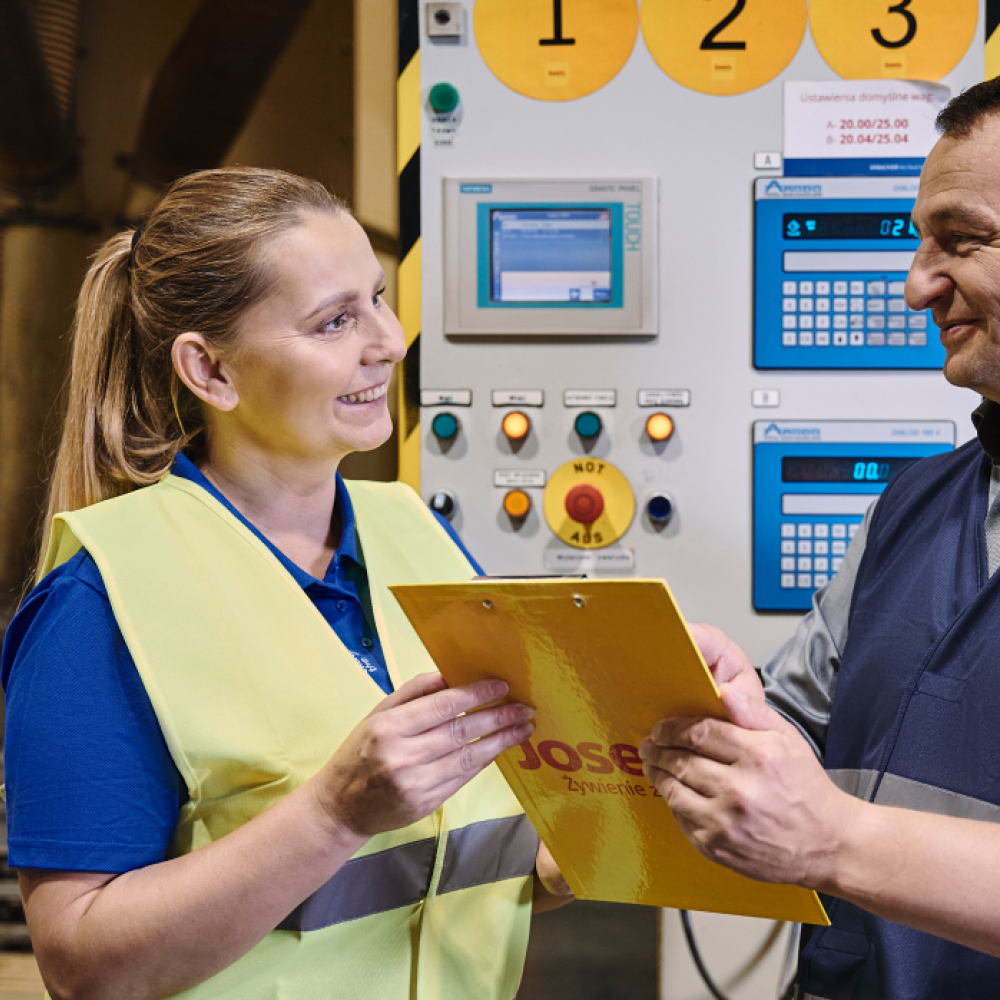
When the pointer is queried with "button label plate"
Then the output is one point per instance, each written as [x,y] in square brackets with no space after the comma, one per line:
[590,397]
[446,397]
[664,397]
[518,397]
[507,478]
[560,561]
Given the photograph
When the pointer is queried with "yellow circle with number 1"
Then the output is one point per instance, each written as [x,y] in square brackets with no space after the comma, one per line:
[905,39]
[723,47]
[555,50]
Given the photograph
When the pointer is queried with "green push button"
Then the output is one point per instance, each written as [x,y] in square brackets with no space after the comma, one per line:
[443,98]
[445,426]
[588,424]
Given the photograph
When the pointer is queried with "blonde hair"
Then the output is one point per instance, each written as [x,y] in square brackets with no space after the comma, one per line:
[199,262]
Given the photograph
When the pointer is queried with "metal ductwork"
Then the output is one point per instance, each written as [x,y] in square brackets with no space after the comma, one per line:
[38,154]
[57,24]
[209,84]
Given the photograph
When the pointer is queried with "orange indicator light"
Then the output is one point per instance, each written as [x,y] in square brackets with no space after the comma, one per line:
[516,426]
[659,427]
[517,503]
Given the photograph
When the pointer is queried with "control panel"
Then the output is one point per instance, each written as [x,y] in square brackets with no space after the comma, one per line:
[813,483]
[831,256]
[614,278]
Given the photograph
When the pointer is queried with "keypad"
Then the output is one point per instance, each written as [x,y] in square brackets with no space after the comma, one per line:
[856,313]
[812,553]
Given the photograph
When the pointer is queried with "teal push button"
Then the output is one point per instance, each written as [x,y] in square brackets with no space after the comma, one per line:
[587,425]
[443,98]
[444,426]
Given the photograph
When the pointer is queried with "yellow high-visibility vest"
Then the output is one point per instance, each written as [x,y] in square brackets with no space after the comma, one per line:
[254,692]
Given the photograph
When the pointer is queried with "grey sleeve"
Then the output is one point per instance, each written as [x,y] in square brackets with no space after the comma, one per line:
[801,677]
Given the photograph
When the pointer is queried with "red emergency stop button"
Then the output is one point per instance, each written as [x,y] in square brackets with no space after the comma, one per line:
[585,503]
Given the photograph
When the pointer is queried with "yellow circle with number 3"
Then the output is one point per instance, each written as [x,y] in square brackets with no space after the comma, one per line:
[905,39]
[555,50]
[723,47]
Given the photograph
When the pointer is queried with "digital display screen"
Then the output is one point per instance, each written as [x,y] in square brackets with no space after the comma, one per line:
[550,255]
[849,226]
[842,470]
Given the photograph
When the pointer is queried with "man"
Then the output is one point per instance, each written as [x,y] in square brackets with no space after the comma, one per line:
[893,678]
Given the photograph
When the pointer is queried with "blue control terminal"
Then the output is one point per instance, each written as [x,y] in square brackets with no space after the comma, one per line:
[813,483]
[831,258]
[444,426]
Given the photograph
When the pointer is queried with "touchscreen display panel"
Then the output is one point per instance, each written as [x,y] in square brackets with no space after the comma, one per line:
[551,255]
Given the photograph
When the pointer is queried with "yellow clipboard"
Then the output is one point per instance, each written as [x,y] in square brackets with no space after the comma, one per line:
[600,661]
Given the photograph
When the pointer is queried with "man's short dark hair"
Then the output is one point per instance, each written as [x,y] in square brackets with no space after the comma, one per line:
[963,113]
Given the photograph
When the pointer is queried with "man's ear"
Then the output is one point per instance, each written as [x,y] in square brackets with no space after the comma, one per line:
[200,367]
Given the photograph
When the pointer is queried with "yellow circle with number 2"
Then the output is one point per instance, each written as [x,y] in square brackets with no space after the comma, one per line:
[906,39]
[555,50]
[723,47]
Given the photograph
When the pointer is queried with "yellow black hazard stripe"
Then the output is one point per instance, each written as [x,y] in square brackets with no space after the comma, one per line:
[992,39]
[408,121]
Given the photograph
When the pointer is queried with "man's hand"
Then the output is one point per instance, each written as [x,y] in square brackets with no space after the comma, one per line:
[748,793]
[728,663]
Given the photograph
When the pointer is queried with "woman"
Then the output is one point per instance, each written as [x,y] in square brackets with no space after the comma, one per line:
[211,791]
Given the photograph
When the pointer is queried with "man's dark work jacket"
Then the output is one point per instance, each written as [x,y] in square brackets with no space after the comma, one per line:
[916,713]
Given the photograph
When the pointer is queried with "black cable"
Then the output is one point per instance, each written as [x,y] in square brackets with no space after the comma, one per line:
[697,959]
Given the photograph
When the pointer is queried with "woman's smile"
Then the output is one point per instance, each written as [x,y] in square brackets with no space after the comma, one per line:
[372,395]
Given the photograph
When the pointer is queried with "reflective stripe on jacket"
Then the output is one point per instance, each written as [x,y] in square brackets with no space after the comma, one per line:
[254,692]
[913,723]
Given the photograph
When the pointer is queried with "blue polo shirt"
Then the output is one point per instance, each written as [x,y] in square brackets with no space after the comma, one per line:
[90,783]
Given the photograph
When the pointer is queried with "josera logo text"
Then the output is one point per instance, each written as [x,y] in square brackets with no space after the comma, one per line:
[591,756]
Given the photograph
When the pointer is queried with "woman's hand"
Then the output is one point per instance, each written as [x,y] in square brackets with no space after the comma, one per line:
[415,750]
[551,888]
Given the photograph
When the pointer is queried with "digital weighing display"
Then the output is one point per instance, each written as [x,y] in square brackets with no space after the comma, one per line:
[549,255]
[831,256]
[849,226]
[813,482]
[846,469]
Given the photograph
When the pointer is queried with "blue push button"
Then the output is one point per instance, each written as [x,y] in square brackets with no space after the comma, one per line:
[660,508]
[444,426]
[588,424]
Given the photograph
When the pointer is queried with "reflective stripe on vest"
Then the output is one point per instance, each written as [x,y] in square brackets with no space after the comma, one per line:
[254,692]
[491,851]
[905,793]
